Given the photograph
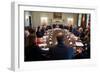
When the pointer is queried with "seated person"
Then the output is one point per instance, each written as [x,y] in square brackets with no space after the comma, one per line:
[48,27]
[39,41]
[70,28]
[75,30]
[26,34]
[87,45]
[40,32]
[57,27]
[61,26]
[78,32]
[43,28]
[61,51]
[66,27]
[32,51]
[54,26]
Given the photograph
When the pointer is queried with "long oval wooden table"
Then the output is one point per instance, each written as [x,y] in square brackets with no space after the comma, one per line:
[69,40]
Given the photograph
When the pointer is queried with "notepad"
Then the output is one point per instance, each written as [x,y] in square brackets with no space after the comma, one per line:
[79,44]
[45,49]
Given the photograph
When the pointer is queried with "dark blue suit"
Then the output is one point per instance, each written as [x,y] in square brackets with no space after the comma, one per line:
[40,33]
[61,51]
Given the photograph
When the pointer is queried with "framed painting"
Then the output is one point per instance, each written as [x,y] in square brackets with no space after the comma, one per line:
[57,15]
[39,41]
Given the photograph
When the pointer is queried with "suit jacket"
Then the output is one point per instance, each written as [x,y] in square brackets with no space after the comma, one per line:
[32,53]
[39,33]
[61,51]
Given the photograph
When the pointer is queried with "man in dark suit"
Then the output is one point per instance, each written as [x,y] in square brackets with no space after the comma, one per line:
[61,51]
[40,32]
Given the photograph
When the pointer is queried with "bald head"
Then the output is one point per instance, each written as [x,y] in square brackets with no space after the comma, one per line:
[60,37]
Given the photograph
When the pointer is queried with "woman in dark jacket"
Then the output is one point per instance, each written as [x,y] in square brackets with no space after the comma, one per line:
[32,51]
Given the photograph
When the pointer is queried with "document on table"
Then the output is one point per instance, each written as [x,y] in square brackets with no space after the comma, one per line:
[79,44]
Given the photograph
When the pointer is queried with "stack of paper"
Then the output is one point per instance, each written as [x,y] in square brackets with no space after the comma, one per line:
[79,44]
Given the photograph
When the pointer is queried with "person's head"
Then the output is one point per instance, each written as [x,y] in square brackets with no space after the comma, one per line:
[80,29]
[44,26]
[60,37]
[31,30]
[38,27]
[57,26]
[31,40]
[26,33]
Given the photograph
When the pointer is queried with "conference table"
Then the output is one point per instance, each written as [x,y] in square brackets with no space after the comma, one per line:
[69,40]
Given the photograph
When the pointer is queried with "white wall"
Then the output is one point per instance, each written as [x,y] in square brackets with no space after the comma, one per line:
[37,15]
[5,36]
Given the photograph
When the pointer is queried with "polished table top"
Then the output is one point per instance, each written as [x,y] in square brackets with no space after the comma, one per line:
[69,39]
